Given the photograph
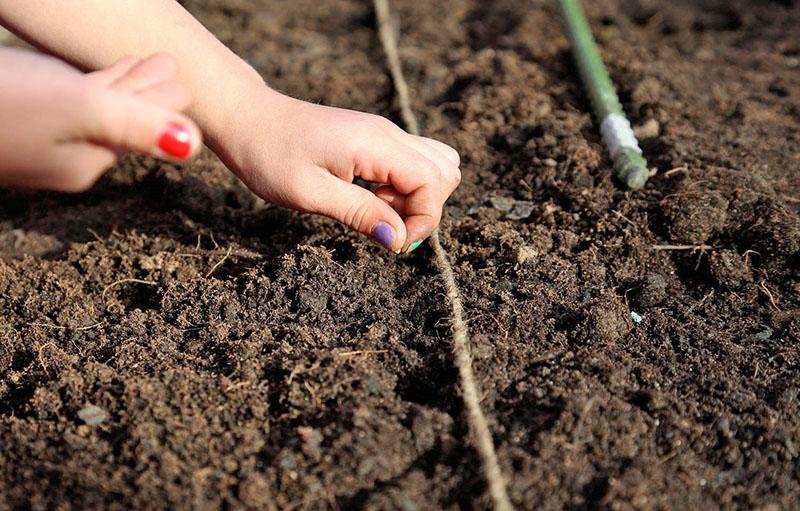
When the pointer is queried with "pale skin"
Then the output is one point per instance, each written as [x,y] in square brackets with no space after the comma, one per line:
[292,153]
[62,128]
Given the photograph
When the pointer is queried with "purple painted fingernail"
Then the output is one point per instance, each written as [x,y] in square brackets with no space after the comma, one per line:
[384,234]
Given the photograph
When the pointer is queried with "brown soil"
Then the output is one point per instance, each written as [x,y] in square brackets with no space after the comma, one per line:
[310,369]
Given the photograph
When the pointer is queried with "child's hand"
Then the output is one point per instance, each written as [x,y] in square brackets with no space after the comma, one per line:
[292,153]
[305,156]
[61,129]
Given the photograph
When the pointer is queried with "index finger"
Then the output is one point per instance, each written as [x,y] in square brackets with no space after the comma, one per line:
[414,175]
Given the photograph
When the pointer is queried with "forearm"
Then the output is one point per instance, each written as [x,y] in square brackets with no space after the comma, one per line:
[95,33]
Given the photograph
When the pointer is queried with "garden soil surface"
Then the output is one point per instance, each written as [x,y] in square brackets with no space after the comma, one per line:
[171,341]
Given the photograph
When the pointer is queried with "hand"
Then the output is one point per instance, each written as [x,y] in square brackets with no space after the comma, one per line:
[62,129]
[306,156]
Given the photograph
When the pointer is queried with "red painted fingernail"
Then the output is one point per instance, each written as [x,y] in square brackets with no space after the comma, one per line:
[175,141]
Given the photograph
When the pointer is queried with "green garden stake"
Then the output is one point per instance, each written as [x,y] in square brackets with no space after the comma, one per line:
[618,137]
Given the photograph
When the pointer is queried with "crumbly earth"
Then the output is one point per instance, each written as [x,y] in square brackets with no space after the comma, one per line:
[244,356]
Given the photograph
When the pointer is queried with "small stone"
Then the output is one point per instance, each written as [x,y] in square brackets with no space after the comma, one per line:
[366,467]
[764,335]
[791,449]
[312,300]
[92,415]
[514,209]
[502,204]
[636,317]
[286,461]
[482,348]
[549,162]
[455,213]
[522,209]
[429,426]
[650,129]
[372,385]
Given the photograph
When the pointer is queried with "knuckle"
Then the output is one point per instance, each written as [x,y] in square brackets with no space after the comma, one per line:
[435,171]
[364,164]
[357,214]
[457,176]
[382,122]
[366,137]
[456,156]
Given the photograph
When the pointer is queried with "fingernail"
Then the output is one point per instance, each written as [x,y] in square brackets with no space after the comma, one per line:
[414,246]
[175,141]
[384,234]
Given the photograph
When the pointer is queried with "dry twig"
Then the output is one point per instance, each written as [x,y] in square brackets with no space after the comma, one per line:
[763,286]
[126,281]
[361,352]
[62,327]
[220,262]
[682,247]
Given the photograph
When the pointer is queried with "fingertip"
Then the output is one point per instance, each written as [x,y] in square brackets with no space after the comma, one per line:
[453,155]
[390,232]
[419,228]
[118,119]
[353,206]
[179,139]
[385,235]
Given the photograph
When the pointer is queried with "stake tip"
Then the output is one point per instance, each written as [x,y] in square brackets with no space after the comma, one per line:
[631,168]
[637,177]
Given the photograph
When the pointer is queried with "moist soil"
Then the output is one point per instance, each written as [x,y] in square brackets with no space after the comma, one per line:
[635,350]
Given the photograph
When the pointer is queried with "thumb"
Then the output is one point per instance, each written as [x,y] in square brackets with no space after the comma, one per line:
[120,119]
[361,210]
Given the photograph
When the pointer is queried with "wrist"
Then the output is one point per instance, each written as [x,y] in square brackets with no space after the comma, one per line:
[216,110]
[228,128]
[246,122]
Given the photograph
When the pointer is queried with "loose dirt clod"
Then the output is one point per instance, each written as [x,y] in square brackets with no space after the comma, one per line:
[653,289]
[607,320]
[649,129]
[695,217]
[728,269]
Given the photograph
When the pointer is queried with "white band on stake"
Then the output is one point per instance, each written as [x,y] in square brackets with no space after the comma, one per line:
[617,135]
